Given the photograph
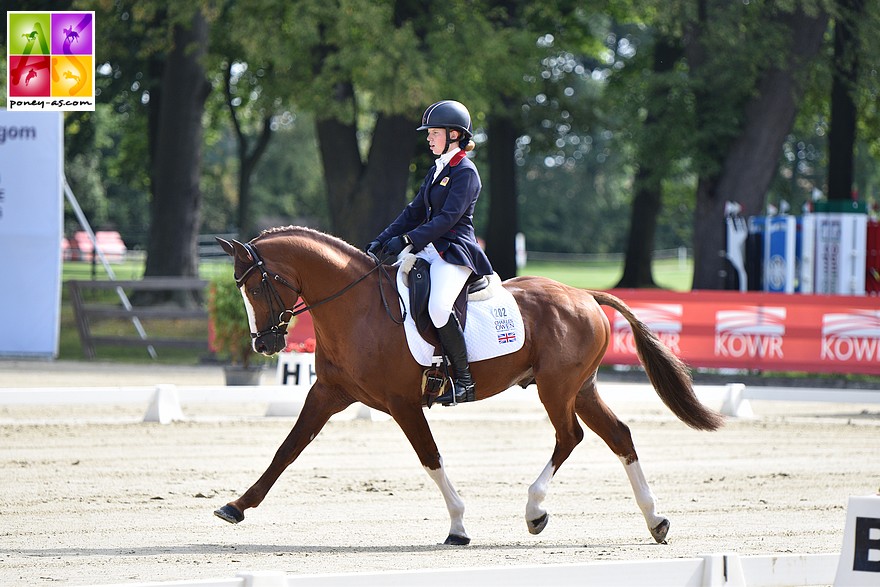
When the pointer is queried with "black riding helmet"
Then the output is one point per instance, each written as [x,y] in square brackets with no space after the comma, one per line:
[448,114]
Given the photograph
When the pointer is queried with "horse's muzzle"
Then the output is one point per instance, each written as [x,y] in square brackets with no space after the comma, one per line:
[270,343]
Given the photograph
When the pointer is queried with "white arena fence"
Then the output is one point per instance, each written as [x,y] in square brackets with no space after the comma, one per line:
[714,570]
[163,401]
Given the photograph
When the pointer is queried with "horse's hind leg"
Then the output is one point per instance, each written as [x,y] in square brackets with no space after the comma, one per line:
[569,433]
[601,420]
[321,403]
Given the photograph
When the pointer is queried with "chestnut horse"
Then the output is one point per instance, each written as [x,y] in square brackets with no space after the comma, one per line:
[362,356]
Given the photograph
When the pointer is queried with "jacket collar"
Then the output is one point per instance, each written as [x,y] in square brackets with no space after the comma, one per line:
[456,159]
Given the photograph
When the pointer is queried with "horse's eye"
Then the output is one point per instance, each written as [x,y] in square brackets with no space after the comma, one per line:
[255,291]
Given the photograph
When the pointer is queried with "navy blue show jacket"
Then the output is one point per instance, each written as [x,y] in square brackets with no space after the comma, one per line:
[442,213]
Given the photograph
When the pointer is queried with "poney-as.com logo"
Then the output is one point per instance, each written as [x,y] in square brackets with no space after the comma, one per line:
[50,58]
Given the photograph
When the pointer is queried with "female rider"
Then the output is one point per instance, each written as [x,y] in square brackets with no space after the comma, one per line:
[438,223]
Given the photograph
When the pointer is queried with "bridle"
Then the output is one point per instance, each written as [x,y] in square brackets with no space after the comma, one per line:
[275,302]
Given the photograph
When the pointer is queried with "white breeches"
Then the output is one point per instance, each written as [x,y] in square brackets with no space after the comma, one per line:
[446,283]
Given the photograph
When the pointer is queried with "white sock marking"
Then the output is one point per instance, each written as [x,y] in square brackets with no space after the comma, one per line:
[644,497]
[454,503]
[537,493]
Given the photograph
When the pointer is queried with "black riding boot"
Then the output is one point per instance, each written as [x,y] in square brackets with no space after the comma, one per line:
[452,339]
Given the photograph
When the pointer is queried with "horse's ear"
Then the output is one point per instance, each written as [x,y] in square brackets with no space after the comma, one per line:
[234,248]
[226,246]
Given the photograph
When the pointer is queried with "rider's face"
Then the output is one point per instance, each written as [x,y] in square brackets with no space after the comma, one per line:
[437,139]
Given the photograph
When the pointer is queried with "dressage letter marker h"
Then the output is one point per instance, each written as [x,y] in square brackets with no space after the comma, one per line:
[296,369]
[299,378]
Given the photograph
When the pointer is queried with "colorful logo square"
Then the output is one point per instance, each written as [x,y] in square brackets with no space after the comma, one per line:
[50,61]
[72,33]
[29,76]
[29,33]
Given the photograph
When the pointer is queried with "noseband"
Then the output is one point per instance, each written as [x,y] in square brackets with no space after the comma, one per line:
[276,303]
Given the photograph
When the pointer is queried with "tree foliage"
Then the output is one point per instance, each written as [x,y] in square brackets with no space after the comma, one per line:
[586,120]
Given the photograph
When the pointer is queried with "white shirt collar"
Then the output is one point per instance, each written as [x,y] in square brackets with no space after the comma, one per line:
[444,160]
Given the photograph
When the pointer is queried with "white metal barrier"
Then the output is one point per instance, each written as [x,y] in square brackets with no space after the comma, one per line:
[714,570]
[164,401]
[737,395]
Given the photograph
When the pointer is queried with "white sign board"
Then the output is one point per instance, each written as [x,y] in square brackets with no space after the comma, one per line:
[31,217]
[841,248]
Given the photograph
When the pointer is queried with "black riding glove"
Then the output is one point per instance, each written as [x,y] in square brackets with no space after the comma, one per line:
[394,246]
[373,248]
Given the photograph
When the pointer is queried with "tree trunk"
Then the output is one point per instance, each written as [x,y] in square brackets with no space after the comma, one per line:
[247,158]
[842,131]
[247,162]
[503,210]
[653,162]
[364,198]
[176,197]
[751,160]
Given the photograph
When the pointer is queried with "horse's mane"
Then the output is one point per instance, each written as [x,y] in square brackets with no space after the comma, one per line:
[312,235]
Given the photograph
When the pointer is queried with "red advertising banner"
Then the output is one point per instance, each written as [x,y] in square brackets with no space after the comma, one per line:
[769,332]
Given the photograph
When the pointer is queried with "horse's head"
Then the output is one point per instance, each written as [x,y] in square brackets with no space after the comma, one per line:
[268,311]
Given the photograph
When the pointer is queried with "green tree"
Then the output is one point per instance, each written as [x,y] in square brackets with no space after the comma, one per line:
[655,155]
[176,158]
[747,69]
[153,56]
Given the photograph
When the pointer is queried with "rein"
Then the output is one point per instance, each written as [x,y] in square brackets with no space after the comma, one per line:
[275,301]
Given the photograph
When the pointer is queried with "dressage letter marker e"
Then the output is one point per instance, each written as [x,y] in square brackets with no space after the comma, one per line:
[859,562]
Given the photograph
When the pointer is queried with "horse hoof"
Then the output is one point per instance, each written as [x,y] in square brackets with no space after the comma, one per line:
[456,540]
[660,531]
[538,524]
[230,514]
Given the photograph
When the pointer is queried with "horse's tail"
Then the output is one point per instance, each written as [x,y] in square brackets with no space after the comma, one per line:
[667,373]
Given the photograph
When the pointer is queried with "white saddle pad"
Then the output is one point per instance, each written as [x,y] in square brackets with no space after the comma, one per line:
[494,325]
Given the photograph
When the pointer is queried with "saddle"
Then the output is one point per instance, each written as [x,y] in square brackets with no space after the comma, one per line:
[420,290]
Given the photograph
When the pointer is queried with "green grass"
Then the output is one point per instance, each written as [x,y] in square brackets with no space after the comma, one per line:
[668,273]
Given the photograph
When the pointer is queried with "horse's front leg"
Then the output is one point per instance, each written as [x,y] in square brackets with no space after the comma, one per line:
[321,403]
[411,419]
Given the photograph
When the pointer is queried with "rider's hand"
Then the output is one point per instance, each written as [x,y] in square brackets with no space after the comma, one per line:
[373,248]
[394,246]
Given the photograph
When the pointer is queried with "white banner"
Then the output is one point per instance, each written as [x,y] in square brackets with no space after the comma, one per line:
[31,218]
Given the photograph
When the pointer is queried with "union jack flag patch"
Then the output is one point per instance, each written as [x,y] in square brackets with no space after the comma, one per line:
[507,337]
